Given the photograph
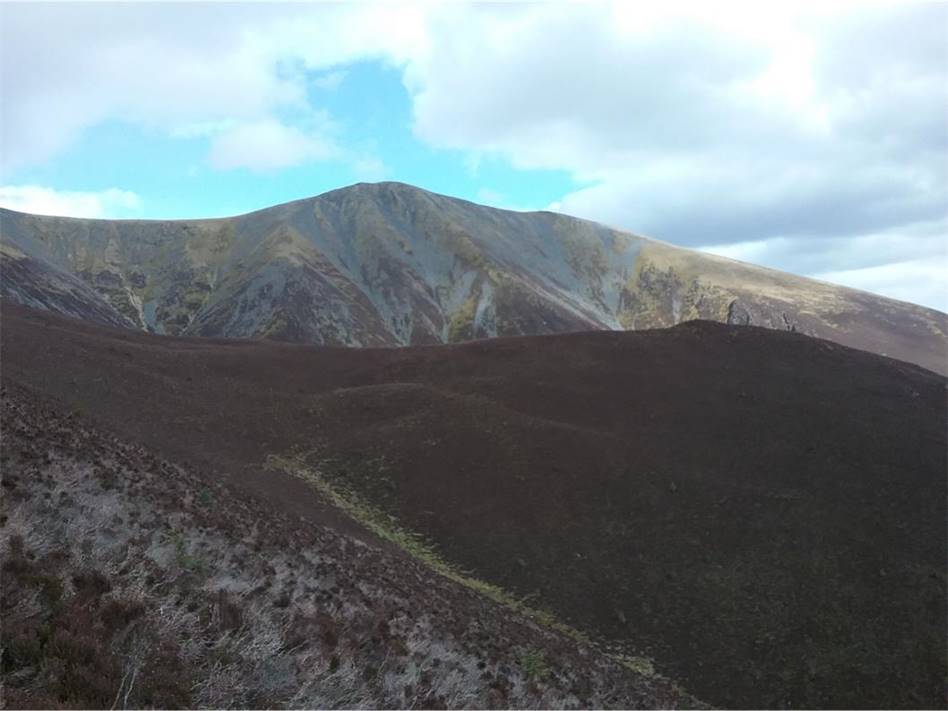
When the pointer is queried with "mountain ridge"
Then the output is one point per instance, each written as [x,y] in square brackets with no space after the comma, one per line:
[390,264]
[400,184]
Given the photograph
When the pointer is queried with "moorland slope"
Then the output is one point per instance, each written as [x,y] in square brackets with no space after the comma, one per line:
[761,513]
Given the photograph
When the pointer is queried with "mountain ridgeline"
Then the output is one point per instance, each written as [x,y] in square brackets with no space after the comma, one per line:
[388,264]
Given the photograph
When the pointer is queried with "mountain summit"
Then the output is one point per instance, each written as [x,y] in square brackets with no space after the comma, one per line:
[389,264]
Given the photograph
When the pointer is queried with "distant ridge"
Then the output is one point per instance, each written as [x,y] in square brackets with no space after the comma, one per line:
[391,264]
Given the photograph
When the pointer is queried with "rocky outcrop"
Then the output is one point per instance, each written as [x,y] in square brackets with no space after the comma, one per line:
[741,314]
[36,283]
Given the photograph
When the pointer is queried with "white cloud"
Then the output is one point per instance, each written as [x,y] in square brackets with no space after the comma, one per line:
[703,127]
[267,145]
[733,124]
[816,129]
[920,281]
[369,167]
[908,263]
[200,129]
[66,67]
[47,201]
[330,81]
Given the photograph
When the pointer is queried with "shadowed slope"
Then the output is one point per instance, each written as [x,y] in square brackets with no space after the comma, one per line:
[390,264]
[761,512]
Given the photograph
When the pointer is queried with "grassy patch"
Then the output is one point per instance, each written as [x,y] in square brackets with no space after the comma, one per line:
[461,327]
[534,664]
[386,527]
[204,498]
[642,665]
[182,557]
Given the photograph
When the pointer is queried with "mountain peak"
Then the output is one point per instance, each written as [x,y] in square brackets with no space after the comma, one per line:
[388,263]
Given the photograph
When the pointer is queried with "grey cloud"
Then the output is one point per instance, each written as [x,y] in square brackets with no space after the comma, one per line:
[673,128]
[672,140]
[565,72]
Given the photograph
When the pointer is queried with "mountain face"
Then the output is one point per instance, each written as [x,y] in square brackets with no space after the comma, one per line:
[388,264]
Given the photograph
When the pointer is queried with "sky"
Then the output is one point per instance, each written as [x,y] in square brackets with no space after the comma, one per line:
[810,138]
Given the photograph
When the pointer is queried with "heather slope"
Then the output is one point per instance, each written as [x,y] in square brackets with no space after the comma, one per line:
[132,582]
[390,264]
[760,512]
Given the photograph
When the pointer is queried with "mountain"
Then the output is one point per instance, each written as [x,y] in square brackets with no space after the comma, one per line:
[760,514]
[390,264]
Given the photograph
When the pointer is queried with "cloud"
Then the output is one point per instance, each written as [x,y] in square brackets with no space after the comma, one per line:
[47,201]
[65,68]
[907,263]
[813,129]
[268,145]
[812,254]
[804,130]
[68,67]
[698,128]
[915,280]
[330,81]
[561,87]
[369,167]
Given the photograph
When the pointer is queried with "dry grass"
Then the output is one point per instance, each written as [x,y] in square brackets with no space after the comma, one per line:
[129,582]
[387,528]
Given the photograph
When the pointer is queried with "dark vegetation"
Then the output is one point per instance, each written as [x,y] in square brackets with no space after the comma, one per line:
[130,582]
[761,513]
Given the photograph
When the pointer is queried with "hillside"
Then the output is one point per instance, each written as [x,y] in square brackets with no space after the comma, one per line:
[148,585]
[390,264]
[760,513]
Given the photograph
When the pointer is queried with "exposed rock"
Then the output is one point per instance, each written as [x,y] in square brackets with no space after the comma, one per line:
[389,264]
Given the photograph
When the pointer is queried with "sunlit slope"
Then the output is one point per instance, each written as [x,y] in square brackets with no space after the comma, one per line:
[390,264]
